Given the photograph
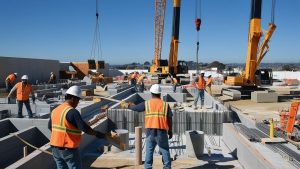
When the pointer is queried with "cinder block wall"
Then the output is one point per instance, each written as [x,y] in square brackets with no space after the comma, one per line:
[36,69]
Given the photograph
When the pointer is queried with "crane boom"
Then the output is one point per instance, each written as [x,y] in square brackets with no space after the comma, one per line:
[173,56]
[159,17]
[252,76]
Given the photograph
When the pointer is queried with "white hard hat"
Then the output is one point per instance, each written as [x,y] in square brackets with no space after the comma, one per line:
[16,74]
[51,72]
[202,71]
[155,89]
[24,77]
[74,91]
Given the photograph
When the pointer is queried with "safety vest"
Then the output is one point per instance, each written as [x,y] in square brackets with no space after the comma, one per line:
[201,83]
[23,91]
[11,78]
[63,134]
[209,82]
[156,112]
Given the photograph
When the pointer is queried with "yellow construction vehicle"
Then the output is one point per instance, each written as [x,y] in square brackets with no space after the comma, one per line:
[163,67]
[252,76]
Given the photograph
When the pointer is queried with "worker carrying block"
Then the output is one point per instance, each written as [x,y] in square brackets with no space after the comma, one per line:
[66,125]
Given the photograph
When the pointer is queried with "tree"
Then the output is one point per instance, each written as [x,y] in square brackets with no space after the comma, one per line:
[289,67]
[218,65]
[147,63]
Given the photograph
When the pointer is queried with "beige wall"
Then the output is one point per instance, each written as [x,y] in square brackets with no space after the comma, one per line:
[36,69]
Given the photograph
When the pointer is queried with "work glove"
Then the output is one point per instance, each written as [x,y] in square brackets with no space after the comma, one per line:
[170,133]
[99,135]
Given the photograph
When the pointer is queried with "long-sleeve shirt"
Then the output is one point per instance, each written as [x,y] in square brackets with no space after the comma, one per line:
[73,116]
[141,107]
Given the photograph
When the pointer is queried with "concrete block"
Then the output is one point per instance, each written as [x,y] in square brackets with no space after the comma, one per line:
[6,127]
[194,143]
[264,97]
[12,147]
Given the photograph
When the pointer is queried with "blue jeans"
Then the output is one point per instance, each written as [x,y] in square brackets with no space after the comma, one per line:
[20,108]
[66,158]
[199,93]
[161,139]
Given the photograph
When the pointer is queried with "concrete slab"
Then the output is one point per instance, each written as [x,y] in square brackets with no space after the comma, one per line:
[264,97]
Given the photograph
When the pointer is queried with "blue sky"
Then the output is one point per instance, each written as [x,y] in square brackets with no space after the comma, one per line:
[63,30]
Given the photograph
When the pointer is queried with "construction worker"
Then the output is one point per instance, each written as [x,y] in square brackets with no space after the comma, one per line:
[140,83]
[209,83]
[23,89]
[9,81]
[52,79]
[200,84]
[158,125]
[66,125]
[173,81]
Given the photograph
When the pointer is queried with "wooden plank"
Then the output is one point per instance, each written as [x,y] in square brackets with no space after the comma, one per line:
[273,140]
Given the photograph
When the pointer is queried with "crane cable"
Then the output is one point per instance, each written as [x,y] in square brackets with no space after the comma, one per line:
[96,50]
[198,24]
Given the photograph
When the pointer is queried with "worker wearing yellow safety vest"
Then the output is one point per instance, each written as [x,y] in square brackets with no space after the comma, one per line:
[209,83]
[66,125]
[23,89]
[9,81]
[200,84]
[158,125]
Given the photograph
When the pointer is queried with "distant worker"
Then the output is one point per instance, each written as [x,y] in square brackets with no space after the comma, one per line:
[200,84]
[52,79]
[173,81]
[209,83]
[66,125]
[158,125]
[23,89]
[9,81]
[140,83]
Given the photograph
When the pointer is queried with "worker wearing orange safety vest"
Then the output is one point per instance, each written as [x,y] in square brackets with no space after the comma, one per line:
[140,82]
[158,125]
[9,81]
[66,125]
[23,89]
[200,84]
[209,83]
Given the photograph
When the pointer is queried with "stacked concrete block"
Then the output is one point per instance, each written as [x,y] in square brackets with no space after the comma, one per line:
[264,97]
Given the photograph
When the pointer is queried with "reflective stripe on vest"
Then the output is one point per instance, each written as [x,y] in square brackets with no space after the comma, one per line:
[201,82]
[23,91]
[156,114]
[63,134]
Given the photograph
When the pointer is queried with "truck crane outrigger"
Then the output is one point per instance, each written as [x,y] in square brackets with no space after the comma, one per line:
[252,76]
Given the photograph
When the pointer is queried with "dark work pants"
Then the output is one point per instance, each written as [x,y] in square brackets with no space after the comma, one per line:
[20,108]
